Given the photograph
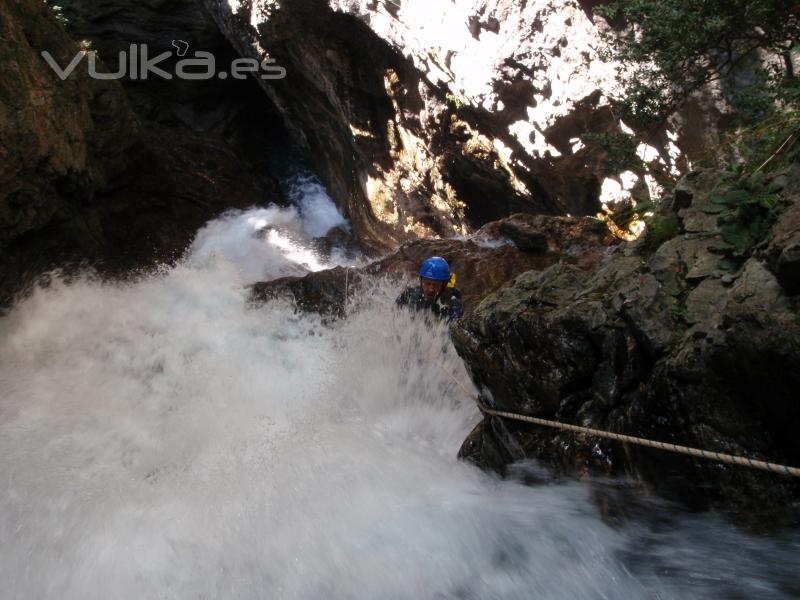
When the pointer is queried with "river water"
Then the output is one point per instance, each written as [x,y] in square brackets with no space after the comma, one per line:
[165,439]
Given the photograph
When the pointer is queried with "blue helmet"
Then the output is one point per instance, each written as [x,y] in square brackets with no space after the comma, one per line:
[435,268]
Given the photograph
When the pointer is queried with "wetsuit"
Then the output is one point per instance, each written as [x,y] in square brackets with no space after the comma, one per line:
[446,305]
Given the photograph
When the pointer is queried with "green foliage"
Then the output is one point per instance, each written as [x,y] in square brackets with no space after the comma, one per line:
[671,48]
[747,209]
[772,143]
[754,101]
[455,102]
[747,201]
[619,147]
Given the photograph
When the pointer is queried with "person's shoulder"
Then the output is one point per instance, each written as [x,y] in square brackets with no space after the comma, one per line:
[407,295]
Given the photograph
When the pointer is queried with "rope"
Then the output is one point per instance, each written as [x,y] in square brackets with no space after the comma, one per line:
[742,461]
[346,289]
[776,152]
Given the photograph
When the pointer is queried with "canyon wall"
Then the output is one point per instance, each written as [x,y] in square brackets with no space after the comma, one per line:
[434,117]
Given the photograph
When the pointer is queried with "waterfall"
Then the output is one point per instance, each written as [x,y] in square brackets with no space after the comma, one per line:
[163,438]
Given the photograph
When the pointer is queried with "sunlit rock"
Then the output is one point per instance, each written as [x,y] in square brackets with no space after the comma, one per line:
[393,99]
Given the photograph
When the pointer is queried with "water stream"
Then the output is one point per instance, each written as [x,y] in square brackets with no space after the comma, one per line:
[165,439]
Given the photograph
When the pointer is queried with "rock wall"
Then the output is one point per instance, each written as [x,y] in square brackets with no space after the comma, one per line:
[117,175]
[489,261]
[358,108]
[684,336]
[437,116]
[424,118]
[59,141]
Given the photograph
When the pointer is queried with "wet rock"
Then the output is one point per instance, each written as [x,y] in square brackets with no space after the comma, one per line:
[783,252]
[484,449]
[481,267]
[324,292]
[525,238]
[338,239]
[653,343]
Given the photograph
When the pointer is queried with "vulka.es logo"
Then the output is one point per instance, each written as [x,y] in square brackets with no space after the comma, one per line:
[136,63]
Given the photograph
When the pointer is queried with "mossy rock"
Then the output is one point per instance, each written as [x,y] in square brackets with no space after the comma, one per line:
[595,225]
[734,197]
[660,228]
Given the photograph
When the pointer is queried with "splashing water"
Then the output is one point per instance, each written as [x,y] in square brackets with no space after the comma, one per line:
[320,214]
[264,244]
[272,242]
[165,439]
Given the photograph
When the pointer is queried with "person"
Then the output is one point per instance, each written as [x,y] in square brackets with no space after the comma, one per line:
[436,291]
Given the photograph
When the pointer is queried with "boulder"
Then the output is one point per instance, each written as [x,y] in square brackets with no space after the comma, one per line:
[524,238]
[482,264]
[657,343]
[783,252]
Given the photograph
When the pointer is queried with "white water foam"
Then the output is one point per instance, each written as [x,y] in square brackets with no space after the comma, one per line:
[318,210]
[263,243]
[272,242]
[165,439]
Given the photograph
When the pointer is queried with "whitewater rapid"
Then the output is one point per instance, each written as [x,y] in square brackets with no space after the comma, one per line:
[164,438]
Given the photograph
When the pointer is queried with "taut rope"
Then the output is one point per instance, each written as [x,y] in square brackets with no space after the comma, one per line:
[730,459]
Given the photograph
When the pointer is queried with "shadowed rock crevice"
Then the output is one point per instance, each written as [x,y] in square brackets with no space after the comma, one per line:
[364,113]
[124,172]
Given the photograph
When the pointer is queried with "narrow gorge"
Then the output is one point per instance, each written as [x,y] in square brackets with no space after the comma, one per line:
[207,390]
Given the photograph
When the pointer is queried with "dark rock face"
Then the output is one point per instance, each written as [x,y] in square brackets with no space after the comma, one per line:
[337,100]
[117,175]
[655,342]
[783,253]
[324,292]
[524,238]
[481,268]
[41,155]
[55,137]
